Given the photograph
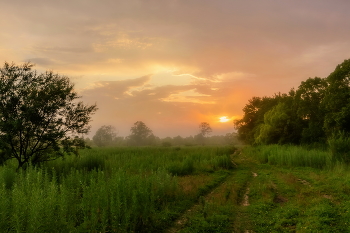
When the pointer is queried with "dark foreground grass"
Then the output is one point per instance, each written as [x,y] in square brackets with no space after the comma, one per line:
[297,196]
[283,197]
[148,189]
[108,190]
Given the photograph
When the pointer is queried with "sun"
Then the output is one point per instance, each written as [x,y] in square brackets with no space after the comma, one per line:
[223,119]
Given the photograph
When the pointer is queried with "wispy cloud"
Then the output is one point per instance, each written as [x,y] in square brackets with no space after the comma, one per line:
[207,58]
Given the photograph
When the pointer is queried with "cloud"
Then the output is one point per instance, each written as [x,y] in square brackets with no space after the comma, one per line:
[207,58]
[116,89]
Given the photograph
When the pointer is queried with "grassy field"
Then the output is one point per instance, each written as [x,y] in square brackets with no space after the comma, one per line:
[188,189]
[110,190]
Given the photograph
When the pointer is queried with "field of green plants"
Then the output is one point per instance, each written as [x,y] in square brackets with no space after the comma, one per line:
[109,189]
[180,189]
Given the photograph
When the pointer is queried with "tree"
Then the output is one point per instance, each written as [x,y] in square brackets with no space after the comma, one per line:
[336,101]
[204,129]
[274,127]
[309,99]
[253,116]
[261,116]
[39,115]
[140,134]
[105,136]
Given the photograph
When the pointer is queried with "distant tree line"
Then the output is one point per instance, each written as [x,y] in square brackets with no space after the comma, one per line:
[317,110]
[142,135]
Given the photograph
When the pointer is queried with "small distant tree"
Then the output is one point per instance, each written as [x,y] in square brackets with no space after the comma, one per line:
[205,129]
[105,136]
[40,117]
[178,140]
[139,134]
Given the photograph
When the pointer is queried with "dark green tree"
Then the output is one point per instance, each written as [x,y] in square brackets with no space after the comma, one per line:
[309,98]
[140,134]
[105,136]
[274,126]
[337,100]
[253,116]
[40,116]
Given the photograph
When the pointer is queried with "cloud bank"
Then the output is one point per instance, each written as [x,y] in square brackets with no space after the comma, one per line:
[174,64]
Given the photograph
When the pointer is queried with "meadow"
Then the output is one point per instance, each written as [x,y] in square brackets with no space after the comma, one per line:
[109,189]
[180,189]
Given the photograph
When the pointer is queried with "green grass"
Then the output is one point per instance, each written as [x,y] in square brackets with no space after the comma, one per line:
[298,190]
[291,156]
[148,189]
[108,190]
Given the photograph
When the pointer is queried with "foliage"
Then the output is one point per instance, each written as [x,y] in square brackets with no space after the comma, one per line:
[309,97]
[204,129]
[253,116]
[105,136]
[106,190]
[336,100]
[275,122]
[39,114]
[339,145]
[140,135]
[308,115]
[291,156]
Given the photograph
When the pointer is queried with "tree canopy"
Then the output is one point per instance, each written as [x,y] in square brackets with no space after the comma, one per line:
[105,136]
[40,117]
[140,135]
[319,108]
[204,129]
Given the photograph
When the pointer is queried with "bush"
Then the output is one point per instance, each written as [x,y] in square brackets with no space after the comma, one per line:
[166,144]
[339,146]
[182,168]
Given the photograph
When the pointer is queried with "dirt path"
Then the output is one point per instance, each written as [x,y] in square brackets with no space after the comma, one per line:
[181,221]
[245,201]
[235,189]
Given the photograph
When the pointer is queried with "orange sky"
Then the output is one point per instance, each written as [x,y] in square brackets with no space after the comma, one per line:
[175,63]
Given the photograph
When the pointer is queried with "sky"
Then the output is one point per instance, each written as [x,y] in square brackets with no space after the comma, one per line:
[176,63]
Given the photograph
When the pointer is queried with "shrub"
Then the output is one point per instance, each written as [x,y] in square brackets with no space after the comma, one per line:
[339,146]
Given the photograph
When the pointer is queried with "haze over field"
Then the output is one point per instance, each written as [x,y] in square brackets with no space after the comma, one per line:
[173,64]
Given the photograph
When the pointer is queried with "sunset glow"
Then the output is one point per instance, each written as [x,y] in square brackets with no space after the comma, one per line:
[224,119]
[174,64]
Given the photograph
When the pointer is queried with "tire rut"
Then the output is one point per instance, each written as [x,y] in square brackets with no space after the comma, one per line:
[183,219]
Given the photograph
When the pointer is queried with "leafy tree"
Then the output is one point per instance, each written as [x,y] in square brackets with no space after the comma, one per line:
[273,129]
[204,129]
[105,136]
[336,100]
[39,115]
[309,99]
[178,140]
[253,116]
[318,109]
[140,134]
[262,114]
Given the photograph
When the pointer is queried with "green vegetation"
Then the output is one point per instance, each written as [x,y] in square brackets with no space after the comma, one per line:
[109,189]
[40,116]
[274,188]
[311,114]
[289,195]
[295,177]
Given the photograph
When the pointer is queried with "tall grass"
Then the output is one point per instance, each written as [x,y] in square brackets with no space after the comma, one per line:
[339,146]
[292,156]
[104,190]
